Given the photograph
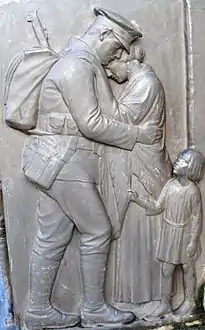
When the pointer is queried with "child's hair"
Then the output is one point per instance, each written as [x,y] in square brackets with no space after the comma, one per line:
[196,163]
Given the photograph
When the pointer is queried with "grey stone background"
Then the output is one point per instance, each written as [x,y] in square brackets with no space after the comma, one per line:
[178,59]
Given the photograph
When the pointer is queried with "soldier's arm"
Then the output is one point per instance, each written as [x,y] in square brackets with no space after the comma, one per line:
[79,92]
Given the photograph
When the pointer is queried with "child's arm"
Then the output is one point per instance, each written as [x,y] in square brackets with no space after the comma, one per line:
[196,227]
[151,206]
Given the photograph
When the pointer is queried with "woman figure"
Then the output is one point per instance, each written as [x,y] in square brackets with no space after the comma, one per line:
[142,102]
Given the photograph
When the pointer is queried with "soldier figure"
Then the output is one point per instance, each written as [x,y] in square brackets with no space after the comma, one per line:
[75,123]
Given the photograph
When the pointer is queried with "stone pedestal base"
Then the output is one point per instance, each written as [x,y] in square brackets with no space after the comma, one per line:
[171,322]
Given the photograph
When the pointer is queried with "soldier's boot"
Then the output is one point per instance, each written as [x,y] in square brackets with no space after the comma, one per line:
[95,311]
[40,314]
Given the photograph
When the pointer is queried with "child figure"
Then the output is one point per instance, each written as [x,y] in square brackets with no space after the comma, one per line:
[178,244]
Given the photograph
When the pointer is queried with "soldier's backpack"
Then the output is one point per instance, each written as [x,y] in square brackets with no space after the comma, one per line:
[22,86]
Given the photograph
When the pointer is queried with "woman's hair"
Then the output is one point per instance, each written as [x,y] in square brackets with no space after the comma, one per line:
[196,163]
[136,53]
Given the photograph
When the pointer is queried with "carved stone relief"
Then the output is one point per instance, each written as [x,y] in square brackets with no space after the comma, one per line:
[106,198]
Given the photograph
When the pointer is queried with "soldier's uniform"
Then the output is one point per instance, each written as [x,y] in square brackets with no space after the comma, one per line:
[75,123]
[76,95]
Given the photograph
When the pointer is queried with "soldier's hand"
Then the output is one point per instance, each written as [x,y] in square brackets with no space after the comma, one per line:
[133,195]
[149,134]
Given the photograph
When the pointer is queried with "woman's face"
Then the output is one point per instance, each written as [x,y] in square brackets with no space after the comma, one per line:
[119,70]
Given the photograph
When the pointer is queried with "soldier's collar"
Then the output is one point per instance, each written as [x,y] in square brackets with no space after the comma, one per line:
[82,46]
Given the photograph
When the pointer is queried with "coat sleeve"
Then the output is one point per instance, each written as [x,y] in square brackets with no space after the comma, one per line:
[136,103]
[152,206]
[79,92]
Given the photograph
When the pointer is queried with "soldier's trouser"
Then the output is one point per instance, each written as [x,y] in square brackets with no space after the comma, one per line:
[65,205]
[73,204]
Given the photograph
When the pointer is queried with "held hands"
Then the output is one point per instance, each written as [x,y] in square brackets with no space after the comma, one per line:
[149,133]
[133,195]
[191,249]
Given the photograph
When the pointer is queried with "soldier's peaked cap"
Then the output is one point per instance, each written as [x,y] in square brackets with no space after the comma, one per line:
[125,30]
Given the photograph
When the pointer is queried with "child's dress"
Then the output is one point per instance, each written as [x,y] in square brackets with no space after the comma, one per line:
[181,219]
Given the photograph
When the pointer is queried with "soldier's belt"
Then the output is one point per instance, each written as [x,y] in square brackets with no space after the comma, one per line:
[57,123]
[85,144]
[82,142]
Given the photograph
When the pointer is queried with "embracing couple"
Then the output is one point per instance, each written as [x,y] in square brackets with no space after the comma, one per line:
[84,153]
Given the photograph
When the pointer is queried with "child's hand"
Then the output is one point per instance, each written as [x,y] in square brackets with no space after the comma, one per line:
[191,249]
[133,195]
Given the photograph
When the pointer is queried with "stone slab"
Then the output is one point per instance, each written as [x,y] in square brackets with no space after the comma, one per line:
[164,44]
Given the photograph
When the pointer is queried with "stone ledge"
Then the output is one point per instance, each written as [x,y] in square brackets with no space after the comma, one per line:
[194,323]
